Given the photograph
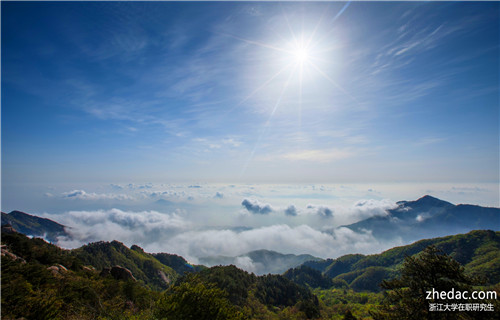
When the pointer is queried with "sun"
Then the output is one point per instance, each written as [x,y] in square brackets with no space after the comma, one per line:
[298,51]
[301,55]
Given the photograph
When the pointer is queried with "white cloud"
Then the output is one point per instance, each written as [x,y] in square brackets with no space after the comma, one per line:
[129,227]
[140,186]
[281,238]
[246,263]
[291,210]
[181,233]
[322,211]
[82,195]
[421,217]
[231,142]
[364,209]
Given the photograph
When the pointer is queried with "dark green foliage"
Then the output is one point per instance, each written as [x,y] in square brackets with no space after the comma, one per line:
[370,279]
[34,287]
[339,283]
[276,290]
[195,299]
[431,270]
[319,265]
[342,265]
[38,251]
[31,291]
[336,302]
[307,276]
[28,291]
[478,251]
[349,276]
[348,315]
[143,266]
[231,279]
[178,263]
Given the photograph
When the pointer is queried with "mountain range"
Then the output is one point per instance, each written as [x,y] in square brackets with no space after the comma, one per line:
[478,251]
[428,217]
[108,280]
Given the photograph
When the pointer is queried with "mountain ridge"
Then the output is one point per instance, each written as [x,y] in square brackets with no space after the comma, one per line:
[478,251]
[410,221]
[425,218]
[33,225]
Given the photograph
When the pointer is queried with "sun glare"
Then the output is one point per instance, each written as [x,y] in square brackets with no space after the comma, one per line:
[301,55]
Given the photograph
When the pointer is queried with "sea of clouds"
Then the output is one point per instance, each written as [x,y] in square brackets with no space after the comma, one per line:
[205,220]
[198,221]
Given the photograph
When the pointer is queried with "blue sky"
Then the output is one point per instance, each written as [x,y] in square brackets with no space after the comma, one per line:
[213,92]
[397,99]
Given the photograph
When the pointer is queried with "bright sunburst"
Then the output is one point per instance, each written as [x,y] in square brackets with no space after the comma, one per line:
[301,55]
[298,60]
[300,52]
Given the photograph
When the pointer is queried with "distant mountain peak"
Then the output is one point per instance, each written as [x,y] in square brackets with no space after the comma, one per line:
[428,217]
[425,201]
[34,226]
[430,199]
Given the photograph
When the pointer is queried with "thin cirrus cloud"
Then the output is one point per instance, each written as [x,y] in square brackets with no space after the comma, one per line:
[82,195]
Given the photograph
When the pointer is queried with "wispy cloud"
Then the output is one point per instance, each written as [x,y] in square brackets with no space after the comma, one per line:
[82,195]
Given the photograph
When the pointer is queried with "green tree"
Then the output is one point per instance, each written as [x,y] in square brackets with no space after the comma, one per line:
[348,315]
[194,299]
[406,297]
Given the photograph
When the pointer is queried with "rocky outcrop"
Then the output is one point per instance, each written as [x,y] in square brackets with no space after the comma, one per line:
[89,269]
[6,253]
[57,270]
[118,273]
[164,277]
